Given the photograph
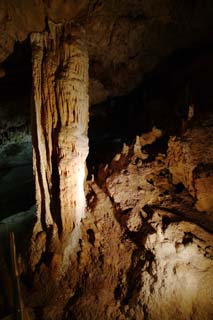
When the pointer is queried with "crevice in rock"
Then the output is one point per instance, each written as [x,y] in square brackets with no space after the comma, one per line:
[140,257]
[192,216]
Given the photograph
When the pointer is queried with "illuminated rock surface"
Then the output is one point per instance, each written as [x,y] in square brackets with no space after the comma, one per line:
[134,241]
[60,143]
[145,250]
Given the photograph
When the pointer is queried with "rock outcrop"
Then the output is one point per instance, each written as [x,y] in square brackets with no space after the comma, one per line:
[190,162]
[135,241]
[146,246]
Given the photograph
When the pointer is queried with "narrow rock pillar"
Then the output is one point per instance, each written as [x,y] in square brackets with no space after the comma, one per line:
[59,127]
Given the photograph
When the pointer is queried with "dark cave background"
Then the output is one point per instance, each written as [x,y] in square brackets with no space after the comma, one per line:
[161,100]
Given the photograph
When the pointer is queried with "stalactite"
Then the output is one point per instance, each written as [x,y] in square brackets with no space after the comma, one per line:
[60,143]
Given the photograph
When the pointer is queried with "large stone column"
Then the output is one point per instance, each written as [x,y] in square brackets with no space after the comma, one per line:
[59,129]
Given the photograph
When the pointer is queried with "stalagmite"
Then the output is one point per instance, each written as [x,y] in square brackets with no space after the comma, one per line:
[60,143]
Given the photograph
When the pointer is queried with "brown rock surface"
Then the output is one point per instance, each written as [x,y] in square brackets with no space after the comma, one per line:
[143,247]
[125,38]
[145,250]
[190,161]
[168,257]
[60,143]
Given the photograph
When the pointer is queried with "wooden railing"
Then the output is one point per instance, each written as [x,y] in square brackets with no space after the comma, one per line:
[18,313]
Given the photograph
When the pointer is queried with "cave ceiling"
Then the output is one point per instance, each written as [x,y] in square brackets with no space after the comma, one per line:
[126,38]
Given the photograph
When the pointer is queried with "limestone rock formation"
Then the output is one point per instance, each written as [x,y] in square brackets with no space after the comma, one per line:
[145,250]
[60,143]
[168,256]
[190,162]
[134,241]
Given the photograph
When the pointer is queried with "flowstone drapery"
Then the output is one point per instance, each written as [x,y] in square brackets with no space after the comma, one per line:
[60,143]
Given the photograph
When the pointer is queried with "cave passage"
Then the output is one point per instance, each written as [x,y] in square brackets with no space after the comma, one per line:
[179,82]
[16,175]
[161,100]
[136,234]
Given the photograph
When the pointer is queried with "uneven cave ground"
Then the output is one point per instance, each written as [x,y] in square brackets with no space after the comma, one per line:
[146,245]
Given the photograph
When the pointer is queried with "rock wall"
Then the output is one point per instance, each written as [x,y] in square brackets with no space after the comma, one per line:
[125,38]
[190,162]
[160,260]
[142,249]
[146,246]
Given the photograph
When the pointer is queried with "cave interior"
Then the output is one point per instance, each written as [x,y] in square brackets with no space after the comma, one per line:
[143,246]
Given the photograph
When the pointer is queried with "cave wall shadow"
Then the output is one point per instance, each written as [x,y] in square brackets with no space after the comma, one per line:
[162,100]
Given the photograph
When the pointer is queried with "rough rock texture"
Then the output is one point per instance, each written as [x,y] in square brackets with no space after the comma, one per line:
[125,38]
[170,259]
[190,162]
[145,251]
[60,143]
[142,249]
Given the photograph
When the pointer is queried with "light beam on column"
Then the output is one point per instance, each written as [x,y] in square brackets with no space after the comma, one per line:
[59,129]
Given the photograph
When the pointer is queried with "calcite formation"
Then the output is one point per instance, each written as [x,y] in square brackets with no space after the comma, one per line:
[161,266]
[135,241]
[145,248]
[60,143]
